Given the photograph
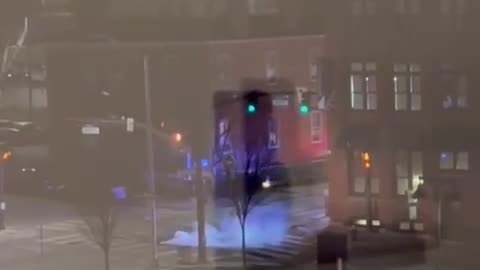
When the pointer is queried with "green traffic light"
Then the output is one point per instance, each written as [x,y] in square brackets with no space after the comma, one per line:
[251,108]
[303,109]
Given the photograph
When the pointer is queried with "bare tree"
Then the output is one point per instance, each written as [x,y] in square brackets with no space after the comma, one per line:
[243,156]
[100,213]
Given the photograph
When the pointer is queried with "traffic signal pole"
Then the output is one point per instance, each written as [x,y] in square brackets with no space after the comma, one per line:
[200,194]
[150,158]
[2,194]
[369,199]
[3,205]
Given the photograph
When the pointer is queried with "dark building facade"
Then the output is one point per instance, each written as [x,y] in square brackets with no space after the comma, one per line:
[405,79]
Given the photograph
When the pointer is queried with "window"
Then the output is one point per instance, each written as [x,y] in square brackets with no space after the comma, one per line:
[407,80]
[223,63]
[197,8]
[313,64]
[273,134]
[224,133]
[263,7]
[271,65]
[363,7]
[408,171]
[410,7]
[358,176]
[219,7]
[454,87]
[454,161]
[453,12]
[315,126]
[363,86]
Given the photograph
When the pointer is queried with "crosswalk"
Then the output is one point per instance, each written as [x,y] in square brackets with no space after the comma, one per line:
[76,233]
[271,255]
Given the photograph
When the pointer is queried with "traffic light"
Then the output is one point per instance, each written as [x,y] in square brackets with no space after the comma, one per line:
[303,109]
[6,155]
[366,162]
[177,137]
[305,101]
[251,108]
[252,99]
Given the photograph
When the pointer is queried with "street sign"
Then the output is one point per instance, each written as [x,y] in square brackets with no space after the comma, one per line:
[130,124]
[90,130]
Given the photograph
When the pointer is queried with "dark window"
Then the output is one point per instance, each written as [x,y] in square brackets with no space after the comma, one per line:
[454,85]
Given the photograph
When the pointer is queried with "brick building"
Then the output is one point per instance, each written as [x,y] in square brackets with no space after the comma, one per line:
[405,79]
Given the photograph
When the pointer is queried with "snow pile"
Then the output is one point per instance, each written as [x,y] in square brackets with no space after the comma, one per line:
[266,225]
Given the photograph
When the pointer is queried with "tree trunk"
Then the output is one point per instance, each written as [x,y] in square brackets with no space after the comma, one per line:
[244,246]
[106,254]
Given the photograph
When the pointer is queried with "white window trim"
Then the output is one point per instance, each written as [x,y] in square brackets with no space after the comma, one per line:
[315,129]
[271,64]
[410,93]
[277,124]
[365,74]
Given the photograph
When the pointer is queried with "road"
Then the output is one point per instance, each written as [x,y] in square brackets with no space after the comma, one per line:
[50,235]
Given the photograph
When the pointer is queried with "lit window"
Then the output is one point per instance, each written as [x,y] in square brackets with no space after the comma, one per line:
[408,170]
[359,177]
[454,161]
[273,134]
[363,86]
[412,212]
[462,162]
[407,86]
[315,126]
[263,7]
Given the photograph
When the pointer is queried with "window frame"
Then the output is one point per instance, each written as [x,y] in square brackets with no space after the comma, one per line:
[455,158]
[353,158]
[409,73]
[366,74]
[409,168]
[273,122]
[313,128]
[271,64]
[451,80]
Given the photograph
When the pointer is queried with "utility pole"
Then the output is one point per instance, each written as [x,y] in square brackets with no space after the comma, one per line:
[200,194]
[150,157]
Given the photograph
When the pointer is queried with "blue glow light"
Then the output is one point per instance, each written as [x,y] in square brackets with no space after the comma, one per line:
[204,163]
[443,155]
[119,193]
